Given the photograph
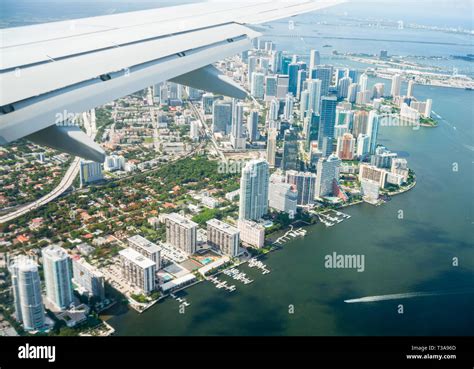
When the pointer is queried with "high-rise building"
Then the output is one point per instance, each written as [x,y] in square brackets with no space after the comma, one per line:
[312,130]
[223,236]
[290,151]
[326,124]
[251,233]
[359,125]
[305,185]
[114,162]
[88,279]
[252,125]
[254,190]
[302,74]
[138,270]
[288,111]
[304,103]
[382,158]
[251,66]
[271,146]
[29,309]
[282,86]
[274,109]
[221,116]
[147,248]
[57,276]
[343,87]
[276,61]
[293,69]
[194,130]
[411,85]
[181,232]
[378,90]
[257,86]
[396,85]
[363,80]
[327,173]
[314,59]
[373,173]
[314,89]
[373,129]
[270,87]
[207,102]
[237,138]
[89,172]
[346,146]
[352,92]
[282,196]
[363,145]
[324,73]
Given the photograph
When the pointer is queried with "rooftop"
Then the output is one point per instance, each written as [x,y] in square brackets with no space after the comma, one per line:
[137,258]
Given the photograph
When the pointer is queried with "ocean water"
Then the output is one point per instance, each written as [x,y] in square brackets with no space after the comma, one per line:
[411,258]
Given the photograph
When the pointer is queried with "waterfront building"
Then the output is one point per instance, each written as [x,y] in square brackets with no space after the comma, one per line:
[373,129]
[363,145]
[327,173]
[138,270]
[57,276]
[252,233]
[88,279]
[411,86]
[346,146]
[282,196]
[223,236]
[370,190]
[399,166]
[181,232]
[396,85]
[254,190]
[26,286]
[304,183]
[147,248]
[89,172]
[221,116]
[382,158]
[373,173]
[409,116]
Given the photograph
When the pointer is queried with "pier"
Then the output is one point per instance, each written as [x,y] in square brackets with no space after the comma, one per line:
[254,263]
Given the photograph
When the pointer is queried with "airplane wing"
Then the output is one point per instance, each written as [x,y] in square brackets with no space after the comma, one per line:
[51,71]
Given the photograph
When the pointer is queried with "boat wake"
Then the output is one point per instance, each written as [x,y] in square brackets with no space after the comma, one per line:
[408,295]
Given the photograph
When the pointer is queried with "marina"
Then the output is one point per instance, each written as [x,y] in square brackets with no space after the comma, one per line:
[254,263]
[180,299]
[237,275]
[291,233]
[222,284]
[332,217]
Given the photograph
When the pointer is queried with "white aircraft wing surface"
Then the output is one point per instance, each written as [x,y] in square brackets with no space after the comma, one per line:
[51,71]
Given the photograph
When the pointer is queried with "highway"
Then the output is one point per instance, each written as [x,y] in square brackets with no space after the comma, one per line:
[65,183]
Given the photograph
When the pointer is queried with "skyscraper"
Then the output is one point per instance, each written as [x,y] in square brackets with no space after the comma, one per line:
[270,87]
[359,125]
[254,190]
[290,151]
[251,66]
[346,146]
[352,92]
[221,116]
[90,171]
[57,276]
[293,69]
[305,185]
[396,85]
[363,79]
[363,145]
[282,86]
[314,59]
[323,73]
[327,173]
[373,129]
[273,111]
[288,111]
[138,270]
[343,87]
[181,232]
[237,138]
[26,285]
[89,280]
[304,103]
[207,102]
[411,85]
[252,125]
[302,74]
[282,197]
[312,129]
[223,237]
[327,122]
[257,86]
[314,99]
[271,146]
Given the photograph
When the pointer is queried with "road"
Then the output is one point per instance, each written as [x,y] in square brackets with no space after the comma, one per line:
[65,183]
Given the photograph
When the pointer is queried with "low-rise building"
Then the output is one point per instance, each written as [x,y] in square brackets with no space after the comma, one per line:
[252,233]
